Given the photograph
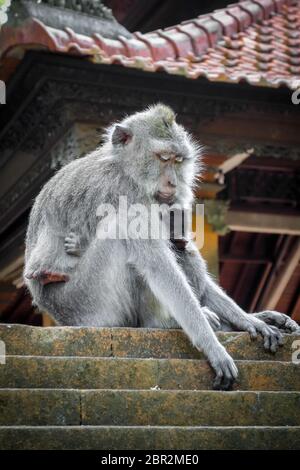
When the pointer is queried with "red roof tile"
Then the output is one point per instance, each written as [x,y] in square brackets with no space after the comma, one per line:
[257,41]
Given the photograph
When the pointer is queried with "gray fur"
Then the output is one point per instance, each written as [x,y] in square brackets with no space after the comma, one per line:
[132,282]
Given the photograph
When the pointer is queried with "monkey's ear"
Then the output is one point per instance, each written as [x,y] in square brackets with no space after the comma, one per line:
[121,135]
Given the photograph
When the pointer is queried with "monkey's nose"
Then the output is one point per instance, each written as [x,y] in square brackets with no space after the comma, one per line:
[172,184]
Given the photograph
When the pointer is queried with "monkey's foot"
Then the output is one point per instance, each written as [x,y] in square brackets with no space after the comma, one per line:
[280,320]
[212,318]
[47,277]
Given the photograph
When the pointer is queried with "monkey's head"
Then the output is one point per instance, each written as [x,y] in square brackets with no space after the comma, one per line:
[157,153]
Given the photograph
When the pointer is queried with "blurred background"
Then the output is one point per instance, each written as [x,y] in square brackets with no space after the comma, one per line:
[230,71]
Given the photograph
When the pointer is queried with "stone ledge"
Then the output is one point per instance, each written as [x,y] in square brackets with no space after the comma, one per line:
[149,438]
[128,342]
[125,373]
[148,408]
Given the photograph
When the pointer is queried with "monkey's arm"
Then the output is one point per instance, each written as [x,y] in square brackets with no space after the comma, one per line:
[212,296]
[155,261]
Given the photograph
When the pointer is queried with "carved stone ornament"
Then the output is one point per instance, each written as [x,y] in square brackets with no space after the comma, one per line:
[215,212]
[82,16]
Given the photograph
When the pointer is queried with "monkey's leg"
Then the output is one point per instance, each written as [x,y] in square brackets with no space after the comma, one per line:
[47,277]
[46,262]
[230,314]
[90,297]
[195,270]
[154,260]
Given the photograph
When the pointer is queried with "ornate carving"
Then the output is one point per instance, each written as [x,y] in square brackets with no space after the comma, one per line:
[18,191]
[65,151]
[259,150]
[276,151]
[215,212]
[93,97]
[91,7]
[261,186]
[83,16]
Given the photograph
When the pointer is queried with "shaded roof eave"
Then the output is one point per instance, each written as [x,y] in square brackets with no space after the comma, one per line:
[233,45]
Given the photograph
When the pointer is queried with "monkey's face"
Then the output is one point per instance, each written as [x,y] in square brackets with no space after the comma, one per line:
[170,168]
[158,154]
[166,190]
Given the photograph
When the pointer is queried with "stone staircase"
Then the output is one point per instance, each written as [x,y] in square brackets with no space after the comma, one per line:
[123,388]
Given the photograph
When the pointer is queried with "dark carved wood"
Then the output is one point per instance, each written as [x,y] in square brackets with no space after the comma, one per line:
[49,93]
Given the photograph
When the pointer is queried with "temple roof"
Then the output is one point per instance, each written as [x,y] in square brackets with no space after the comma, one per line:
[252,41]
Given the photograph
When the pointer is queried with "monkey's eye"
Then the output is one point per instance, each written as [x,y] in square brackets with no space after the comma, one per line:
[179,159]
[163,158]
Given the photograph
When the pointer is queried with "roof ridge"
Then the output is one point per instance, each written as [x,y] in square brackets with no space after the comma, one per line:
[208,29]
[253,40]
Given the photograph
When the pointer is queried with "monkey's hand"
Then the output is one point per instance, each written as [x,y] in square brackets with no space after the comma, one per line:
[225,368]
[72,244]
[280,320]
[271,335]
[212,318]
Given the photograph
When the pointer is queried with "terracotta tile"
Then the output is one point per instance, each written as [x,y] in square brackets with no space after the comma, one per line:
[257,41]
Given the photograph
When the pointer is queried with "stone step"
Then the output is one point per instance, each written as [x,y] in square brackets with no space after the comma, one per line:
[148,408]
[129,373]
[149,438]
[128,342]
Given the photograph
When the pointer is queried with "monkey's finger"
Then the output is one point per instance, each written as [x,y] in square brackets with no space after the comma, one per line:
[278,335]
[69,240]
[70,245]
[252,332]
[275,338]
[229,376]
[215,323]
[274,345]
[291,325]
[218,380]
[227,383]
[267,341]
[233,370]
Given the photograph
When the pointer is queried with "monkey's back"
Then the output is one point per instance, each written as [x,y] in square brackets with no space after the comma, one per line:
[71,197]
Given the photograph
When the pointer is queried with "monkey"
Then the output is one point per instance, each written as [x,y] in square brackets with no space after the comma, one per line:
[82,279]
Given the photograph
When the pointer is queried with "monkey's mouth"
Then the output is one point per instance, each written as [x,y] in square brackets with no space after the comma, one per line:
[165,198]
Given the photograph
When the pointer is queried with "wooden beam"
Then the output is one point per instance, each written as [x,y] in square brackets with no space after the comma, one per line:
[244,221]
[232,161]
[13,270]
[284,276]
[260,287]
[282,245]
[242,259]
[296,310]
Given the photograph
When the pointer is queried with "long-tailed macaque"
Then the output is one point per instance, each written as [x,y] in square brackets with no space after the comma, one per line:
[83,279]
